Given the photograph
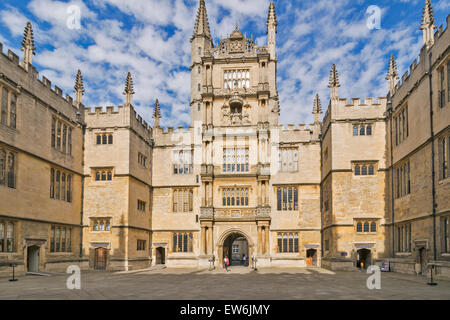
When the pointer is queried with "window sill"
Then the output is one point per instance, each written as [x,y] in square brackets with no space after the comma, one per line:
[403,254]
[93,231]
[60,253]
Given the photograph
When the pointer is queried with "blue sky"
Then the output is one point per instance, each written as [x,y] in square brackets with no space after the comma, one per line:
[150,38]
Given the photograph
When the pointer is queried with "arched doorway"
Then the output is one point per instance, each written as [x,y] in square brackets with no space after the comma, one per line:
[160,255]
[236,248]
[311,258]
[33,259]
[363,258]
[422,255]
[100,259]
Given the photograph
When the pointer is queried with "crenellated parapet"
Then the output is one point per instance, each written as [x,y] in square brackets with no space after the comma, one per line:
[170,136]
[420,66]
[357,109]
[22,78]
[300,133]
[117,117]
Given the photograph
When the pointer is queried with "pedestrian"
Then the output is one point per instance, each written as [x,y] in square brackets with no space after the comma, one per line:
[225,263]
[244,258]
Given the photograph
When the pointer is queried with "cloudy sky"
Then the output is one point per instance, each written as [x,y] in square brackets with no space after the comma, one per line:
[150,38]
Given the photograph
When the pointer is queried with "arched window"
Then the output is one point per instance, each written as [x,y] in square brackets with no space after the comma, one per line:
[102,226]
[291,242]
[369,130]
[364,170]
[99,139]
[285,242]
[95,226]
[110,139]
[357,170]
[104,139]
[11,175]
[371,171]
[2,166]
[362,131]
[199,50]
[280,243]
[198,87]
[359,227]
[366,227]
[373,227]
[109,175]
[174,242]
[224,198]
[97,176]
[355,130]
[107,226]
[103,175]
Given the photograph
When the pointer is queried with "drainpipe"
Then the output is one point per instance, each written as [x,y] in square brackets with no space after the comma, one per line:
[389,110]
[321,199]
[433,187]
[83,128]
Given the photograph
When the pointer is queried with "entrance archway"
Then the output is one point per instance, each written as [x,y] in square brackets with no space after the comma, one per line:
[422,255]
[160,255]
[311,258]
[363,258]
[33,259]
[236,248]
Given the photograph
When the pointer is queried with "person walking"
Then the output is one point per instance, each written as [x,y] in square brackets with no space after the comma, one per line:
[225,263]
[244,258]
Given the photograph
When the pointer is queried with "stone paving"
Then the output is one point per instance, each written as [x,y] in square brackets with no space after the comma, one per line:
[238,284]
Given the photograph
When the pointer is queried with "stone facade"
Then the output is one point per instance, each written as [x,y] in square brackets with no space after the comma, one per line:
[326,194]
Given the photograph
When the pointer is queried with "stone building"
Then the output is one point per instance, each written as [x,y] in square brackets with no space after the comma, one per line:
[41,169]
[367,184]
[418,117]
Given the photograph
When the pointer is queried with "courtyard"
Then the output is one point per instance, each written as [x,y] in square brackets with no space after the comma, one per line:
[239,283]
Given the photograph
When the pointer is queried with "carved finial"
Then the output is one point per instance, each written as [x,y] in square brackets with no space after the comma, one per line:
[272,30]
[78,88]
[334,82]
[129,89]
[272,17]
[201,23]
[392,74]
[427,25]
[317,109]
[28,45]
[156,114]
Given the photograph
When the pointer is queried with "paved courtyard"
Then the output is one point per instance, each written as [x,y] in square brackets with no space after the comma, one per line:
[238,284]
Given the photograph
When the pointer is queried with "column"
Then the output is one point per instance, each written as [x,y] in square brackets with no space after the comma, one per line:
[204,240]
[210,244]
[210,195]
[267,240]
[263,240]
[259,240]
[259,192]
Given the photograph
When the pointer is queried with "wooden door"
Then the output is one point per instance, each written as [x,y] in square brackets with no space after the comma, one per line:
[100,259]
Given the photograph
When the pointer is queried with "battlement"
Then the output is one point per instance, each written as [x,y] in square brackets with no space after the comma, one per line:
[111,116]
[420,65]
[293,127]
[368,102]
[13,58]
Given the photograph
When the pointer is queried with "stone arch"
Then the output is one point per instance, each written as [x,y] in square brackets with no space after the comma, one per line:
[225,235]
[230,231]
